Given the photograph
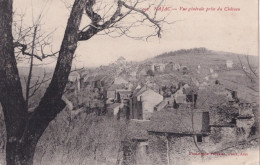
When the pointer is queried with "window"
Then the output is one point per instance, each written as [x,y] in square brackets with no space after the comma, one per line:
[199,138]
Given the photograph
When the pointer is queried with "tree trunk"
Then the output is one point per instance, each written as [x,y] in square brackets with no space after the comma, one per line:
[19,154]
[23,129]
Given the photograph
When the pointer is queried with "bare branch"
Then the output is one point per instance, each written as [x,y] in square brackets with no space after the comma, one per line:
[97,26]
[24,48]
[30,70]
[159,30]
[250,67]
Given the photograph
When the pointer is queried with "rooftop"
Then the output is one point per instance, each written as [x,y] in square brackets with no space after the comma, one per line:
[179,122]
[116,86]
[137,129]
[114,105]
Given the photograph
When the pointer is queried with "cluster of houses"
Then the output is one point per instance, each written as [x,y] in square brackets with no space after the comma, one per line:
[166,129]
[78,81]
[169,136]
[157,67]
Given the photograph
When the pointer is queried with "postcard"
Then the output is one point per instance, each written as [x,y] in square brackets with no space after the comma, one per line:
[129,82]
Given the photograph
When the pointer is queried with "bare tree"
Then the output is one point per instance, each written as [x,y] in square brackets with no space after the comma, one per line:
[30,43]
[252,74]
[23,128]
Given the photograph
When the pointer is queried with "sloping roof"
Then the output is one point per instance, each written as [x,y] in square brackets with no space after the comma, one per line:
[137,129]
[139,91]
[210,97]
[90,79]
[120,80]
[99,77]
[162,104]
[113,106]
[74,76]
[114,87]
[126,92]
[179,122]
[149,92]
[180,98]
[190,91]
[241,100]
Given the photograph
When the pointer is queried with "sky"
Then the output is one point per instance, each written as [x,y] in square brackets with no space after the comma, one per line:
[231,31]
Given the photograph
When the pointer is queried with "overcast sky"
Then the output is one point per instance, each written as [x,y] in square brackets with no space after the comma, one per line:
[232,31]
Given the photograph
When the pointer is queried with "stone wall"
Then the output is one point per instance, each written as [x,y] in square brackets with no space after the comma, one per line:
[222,135]
[245,124]
[178,151]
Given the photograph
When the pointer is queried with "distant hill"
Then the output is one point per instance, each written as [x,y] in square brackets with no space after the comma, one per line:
[196,56]
[193,51]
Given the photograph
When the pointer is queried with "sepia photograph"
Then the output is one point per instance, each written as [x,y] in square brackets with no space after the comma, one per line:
[129,82]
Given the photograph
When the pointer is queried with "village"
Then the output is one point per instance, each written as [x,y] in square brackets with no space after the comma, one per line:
[171,109]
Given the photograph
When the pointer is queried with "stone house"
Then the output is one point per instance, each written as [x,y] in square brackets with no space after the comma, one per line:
[88,81]
[185,95]
[74,83]
[74,78]
[111,91]
[135,147]
[158,67]
[118,93]
[173,135]
[231,94]
[229,64]
[180,98]
[230,124]
[113,109]
[191,95]
[142,103]
[123,95]
[245,109]
[166,103]
[143,69]
[97,81]
[246,119]
[171,66]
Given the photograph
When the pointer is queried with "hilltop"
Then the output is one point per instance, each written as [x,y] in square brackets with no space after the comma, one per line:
[196,56]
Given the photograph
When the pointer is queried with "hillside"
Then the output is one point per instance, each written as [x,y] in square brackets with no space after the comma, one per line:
[234,78]
[196,56]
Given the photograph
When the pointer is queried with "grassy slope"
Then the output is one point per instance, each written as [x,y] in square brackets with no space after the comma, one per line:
[234,78]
